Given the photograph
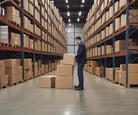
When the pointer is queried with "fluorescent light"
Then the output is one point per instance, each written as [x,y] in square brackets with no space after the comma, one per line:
[78,19]
[68,13]
[69,24]
[67,6]
[69,20]
[67,1]
[83,1]
[80,13]
[82,5]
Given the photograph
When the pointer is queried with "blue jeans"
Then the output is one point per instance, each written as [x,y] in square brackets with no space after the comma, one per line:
[80,75]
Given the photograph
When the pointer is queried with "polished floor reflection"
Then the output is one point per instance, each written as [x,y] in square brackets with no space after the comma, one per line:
[100,97]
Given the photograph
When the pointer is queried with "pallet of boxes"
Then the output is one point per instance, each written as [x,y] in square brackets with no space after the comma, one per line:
[64,75]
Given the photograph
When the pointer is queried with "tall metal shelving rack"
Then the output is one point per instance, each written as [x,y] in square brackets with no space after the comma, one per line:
[130,55]
[22,53]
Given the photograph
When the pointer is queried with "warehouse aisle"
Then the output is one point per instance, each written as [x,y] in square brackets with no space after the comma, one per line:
[100,97]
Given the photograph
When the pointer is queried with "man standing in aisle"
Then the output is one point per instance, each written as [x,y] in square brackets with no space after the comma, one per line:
[81,60]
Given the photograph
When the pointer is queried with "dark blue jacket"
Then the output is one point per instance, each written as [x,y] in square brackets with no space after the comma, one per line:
[81,54]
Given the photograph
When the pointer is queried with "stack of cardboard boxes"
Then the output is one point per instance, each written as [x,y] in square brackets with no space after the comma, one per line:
[132,74]
[28,69]
[12,14]
[3,77]
[4,34]
[11,70]
[64,74]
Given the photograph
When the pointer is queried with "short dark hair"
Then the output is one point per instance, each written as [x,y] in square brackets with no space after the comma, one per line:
[78,38]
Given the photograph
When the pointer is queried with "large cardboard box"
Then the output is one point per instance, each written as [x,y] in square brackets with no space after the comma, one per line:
[64,70]
[4,81]
[117,24]
[10,13]
[109,73]
[47,81]
[132,68]
[4,34]
[9,63]
[103,50]
[133,16]
[117,73]
[69,59]
[64,82]
[98,71]
[116,6]
[13,75]
[108,49]
[122,3]
[123,20]
[20,74]
[27,63]
[2,69]
[132,78]
[120,45]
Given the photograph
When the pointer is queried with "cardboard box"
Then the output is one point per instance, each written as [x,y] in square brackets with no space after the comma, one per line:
[47,81]
[11,63]
[132,68]
[109,73]
[20,74]
[108,49]
[2,69]
[117,24]
[120,45]
[69,59]
[13,75]
[117,73]
[98,71]
[132,78]
[4,34]
[103,50]
[64,70]
[133,16]
[27,63]
[117,6]
[64,82]
[122,3]
[123,20]
[4,80]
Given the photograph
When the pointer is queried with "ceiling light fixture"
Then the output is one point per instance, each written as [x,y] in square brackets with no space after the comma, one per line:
[79,13]
[78,19]
[67,1]
[83,1]
[69,20]
[69,24]
[82,5]
[68,13]
[67,6]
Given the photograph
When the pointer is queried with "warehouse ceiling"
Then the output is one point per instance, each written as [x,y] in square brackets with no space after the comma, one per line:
[73,11]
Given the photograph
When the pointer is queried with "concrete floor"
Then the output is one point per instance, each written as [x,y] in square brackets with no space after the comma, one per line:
[100,97]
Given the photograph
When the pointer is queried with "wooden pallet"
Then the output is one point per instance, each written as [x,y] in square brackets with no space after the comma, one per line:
[21,81]
[12,84]
[14,23]
[16,46]
[3,87]
[122,51]
[129,85]
[4,44]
